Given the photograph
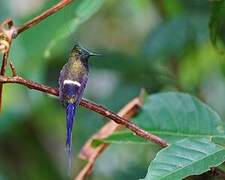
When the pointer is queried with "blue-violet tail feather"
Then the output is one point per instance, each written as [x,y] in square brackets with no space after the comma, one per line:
[70,113]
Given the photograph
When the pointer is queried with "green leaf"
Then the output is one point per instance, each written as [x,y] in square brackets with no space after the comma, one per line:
[83,10]
[216,21]
[184,158]
[179,113]
[174,116]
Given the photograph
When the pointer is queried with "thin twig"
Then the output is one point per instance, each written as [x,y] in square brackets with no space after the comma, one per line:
[4,61]
[89,153]
[13,69]
[43,16]
[3,69]
[89,105]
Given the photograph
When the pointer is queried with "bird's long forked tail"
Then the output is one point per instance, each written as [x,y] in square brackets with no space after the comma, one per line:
[70,113]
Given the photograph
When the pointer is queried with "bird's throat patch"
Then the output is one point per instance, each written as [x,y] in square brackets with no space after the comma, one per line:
[77,66]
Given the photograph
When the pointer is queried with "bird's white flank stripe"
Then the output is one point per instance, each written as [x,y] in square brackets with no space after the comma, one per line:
[67,81]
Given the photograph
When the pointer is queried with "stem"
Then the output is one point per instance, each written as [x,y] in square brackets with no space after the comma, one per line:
[3,69]
[13,69]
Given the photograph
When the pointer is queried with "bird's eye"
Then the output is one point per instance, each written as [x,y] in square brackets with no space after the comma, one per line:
[78,51]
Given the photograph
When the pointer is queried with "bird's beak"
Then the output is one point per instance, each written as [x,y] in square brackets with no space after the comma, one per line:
[89,53]
[94,54]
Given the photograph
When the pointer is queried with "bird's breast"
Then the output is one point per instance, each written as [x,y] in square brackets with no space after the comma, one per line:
[77,67]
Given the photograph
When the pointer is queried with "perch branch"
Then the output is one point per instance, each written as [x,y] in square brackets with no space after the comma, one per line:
[89,105]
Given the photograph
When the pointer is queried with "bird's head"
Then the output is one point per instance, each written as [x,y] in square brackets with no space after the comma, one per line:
[81,53]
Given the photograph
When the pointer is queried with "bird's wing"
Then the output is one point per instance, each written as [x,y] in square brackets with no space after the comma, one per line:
[62,76]
[80,91]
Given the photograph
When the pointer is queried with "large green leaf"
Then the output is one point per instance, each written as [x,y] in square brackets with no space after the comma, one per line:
[174,116]
[83,10]
[195,131]
[184,158]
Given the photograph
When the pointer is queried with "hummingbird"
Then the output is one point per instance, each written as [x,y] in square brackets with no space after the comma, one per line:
[72,82]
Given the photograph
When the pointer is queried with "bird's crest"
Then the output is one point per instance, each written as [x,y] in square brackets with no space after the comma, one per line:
[80,51]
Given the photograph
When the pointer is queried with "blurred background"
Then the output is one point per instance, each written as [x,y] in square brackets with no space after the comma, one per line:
[158,45]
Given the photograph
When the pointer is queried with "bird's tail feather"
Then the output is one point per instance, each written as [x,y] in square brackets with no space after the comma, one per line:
[70,113]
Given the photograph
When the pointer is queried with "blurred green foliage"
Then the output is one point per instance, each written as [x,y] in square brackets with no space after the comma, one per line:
[216,23]
[158,45]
